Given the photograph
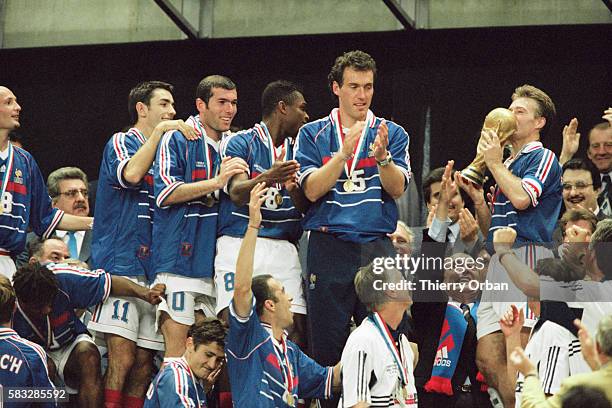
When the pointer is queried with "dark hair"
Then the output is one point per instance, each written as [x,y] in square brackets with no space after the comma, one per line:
[546,107]
[206,85]
[584,396]
[209,330]
[262,292]
[35,284]
[277,91]
[7,299]
[35,246]
[578,214]
[143,92]
[583,164]
[357,60]
[435,176]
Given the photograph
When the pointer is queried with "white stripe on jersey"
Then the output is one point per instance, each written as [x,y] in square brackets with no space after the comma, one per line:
[376,200]
[13,229]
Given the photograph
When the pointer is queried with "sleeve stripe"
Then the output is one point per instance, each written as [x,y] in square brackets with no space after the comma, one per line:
[54,223]
[328,383]
[63,268]
[107,286]
[303,174]
[180,385]
[164,165]
[545,165]
[119,146]
[532,190]
[166,192]
[551,365]
[120,168]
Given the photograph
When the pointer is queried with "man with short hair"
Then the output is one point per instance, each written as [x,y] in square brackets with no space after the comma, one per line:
[353,165]
[47,296]
[24,201]
[67,187]
[179,383]
[581,184]
[25,362]
[378,360]
[265,368]
[527,197]
[267,148]
[600,153]
[122,240]
[188,176]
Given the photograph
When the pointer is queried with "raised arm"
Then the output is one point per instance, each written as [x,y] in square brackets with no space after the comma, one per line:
[242,299]
[511,185]
[139,164]
[521,274]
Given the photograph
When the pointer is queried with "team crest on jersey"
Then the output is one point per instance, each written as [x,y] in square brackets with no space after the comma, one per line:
[143,252]
[18,179]
[186,249]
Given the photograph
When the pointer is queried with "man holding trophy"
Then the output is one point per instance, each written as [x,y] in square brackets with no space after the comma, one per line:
[527,197]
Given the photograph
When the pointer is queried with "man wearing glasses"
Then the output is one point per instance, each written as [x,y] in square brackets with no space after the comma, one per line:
[581,185]
[67,187]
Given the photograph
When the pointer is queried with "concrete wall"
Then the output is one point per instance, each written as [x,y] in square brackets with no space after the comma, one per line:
[39,23]
[500,13]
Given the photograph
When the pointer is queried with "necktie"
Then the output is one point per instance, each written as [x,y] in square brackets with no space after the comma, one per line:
[469,344]
[604,199]
[72,246]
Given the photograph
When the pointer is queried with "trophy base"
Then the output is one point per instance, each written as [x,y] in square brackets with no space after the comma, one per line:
[473,175]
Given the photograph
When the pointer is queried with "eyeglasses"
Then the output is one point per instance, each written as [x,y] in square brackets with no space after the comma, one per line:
[578,186]
[73,193]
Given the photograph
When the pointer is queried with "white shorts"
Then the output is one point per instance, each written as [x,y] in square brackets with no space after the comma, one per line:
[128,317]
[7,266]
[184,296]
[276,257]
[60,357]
[495,303]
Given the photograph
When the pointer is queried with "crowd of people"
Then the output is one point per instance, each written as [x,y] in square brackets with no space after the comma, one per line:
[192,254]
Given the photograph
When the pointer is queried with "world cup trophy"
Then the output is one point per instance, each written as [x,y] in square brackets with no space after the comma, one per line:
[501,120]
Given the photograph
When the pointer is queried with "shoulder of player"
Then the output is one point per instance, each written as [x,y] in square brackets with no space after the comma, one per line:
[363,336]
[30,350]
[315,127]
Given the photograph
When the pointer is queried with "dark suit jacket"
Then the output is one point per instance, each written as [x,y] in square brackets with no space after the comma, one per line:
[84,255]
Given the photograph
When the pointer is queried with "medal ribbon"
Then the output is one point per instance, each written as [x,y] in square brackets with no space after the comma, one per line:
[284,363]
[384,332]
[8,170]
[262,129]
[352,163]
[207,157]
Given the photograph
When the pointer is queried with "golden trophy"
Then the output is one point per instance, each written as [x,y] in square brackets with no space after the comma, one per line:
[501,120]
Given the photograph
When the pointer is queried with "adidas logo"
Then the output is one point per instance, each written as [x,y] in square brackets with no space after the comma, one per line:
[442,357]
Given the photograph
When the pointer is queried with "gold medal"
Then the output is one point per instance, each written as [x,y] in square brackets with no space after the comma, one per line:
[349,186]
[289,399]
[278,199]
[209,201]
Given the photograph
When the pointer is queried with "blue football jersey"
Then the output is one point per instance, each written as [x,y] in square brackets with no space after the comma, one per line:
[23,364]
[184,235]
[78,289]
[175,386]
[257,366]
[279,221]
[123,219]
[540,174]
[25,202]
[367,212]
